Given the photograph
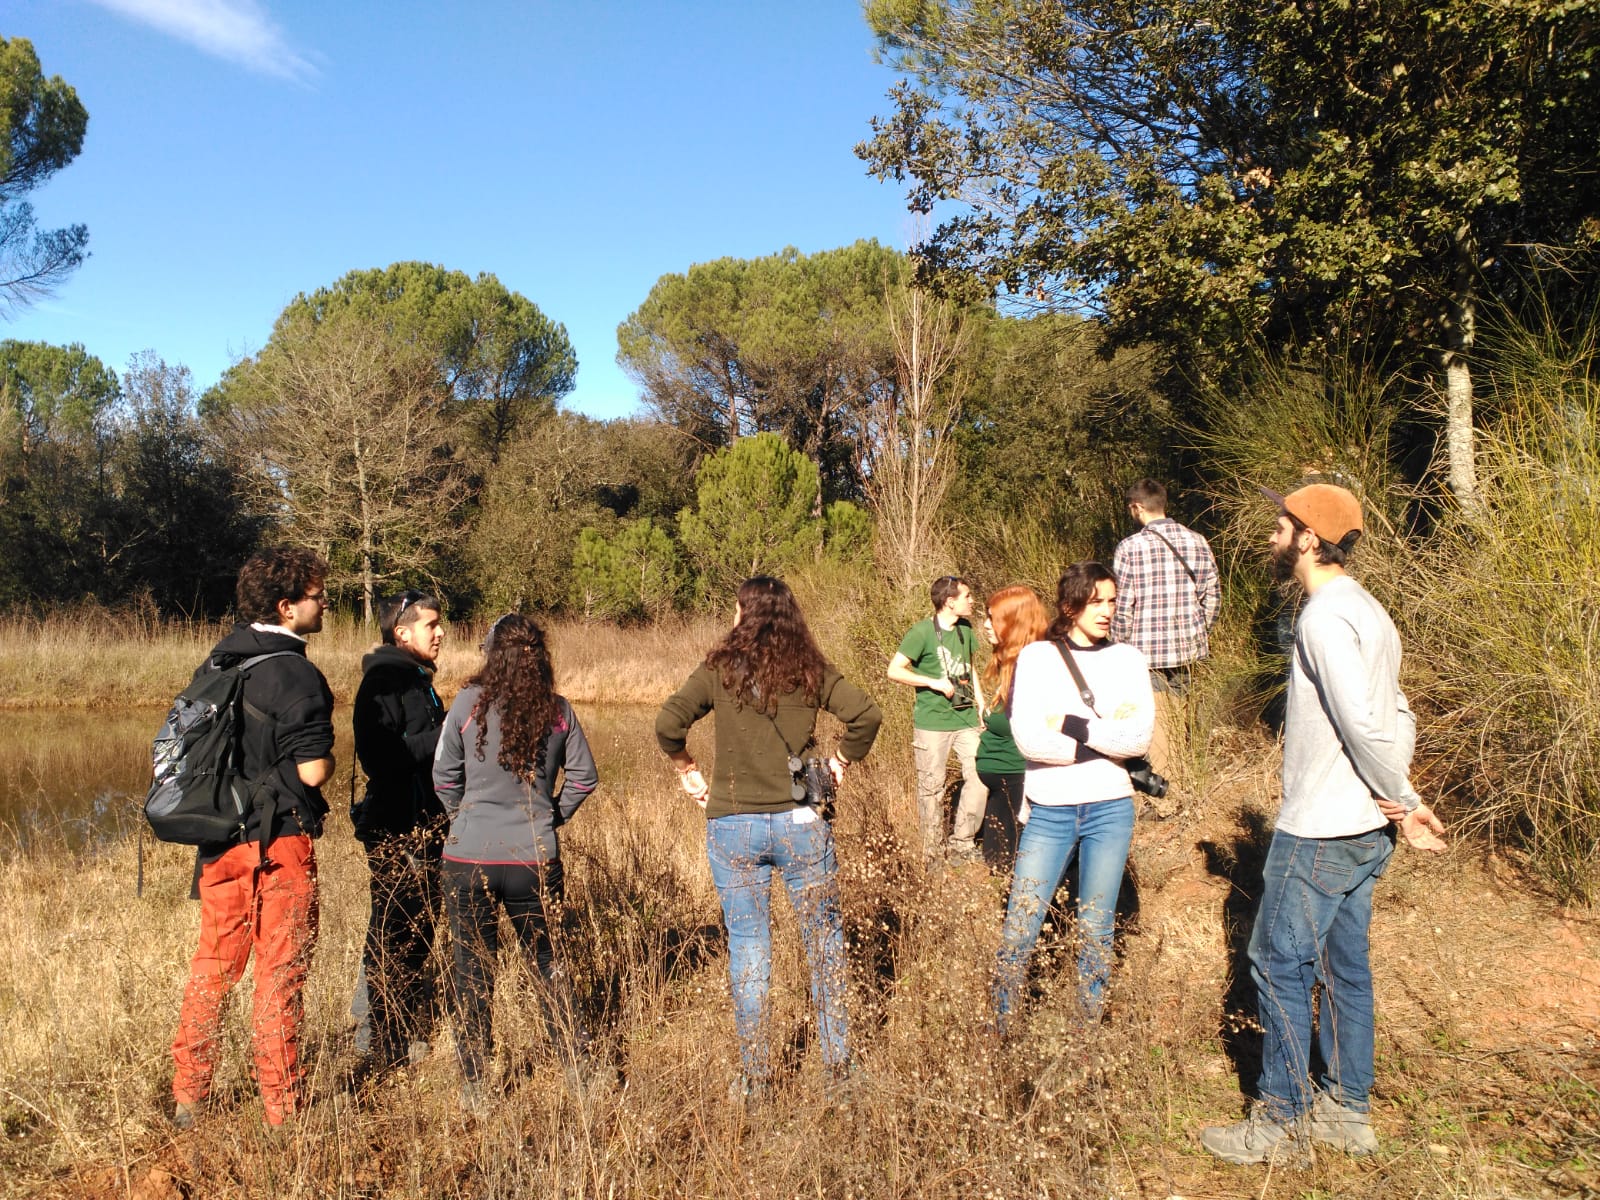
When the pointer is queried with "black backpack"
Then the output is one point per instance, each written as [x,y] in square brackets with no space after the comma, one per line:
[199,794]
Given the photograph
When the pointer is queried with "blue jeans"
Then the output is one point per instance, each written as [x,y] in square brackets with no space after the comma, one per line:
[744,848]
[1316,906]
[1099,834]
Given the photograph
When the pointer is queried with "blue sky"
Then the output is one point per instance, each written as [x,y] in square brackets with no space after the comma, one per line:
[242,151]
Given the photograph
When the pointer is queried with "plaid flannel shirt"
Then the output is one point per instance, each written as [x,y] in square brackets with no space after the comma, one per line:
[1159,609]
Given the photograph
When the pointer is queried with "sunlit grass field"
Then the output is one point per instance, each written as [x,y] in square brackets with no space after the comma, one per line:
[1475,1099]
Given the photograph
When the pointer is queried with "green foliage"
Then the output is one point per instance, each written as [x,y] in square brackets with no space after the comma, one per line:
[533,504]
[111,491]
[634,571]
[847,532]
[790,343]
[180,532]
[754,513]
[42,124]
[500,359]
[53,391]
[56,493]
[646,469]
[1221,171]
[1055,431]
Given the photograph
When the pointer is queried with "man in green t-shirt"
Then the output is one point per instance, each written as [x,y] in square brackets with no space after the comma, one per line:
[935,659]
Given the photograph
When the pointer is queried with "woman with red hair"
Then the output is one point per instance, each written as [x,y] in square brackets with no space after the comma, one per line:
[1016,617]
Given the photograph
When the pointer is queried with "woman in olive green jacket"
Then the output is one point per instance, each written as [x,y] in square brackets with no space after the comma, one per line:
[766,681]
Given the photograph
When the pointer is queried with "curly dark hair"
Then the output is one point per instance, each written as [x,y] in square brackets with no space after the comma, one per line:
[1073,594]
[518,683]
[770,652]
[277,573]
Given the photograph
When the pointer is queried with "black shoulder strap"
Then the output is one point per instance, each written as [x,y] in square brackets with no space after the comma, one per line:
[1182,562]
[263,792]
[1077,676]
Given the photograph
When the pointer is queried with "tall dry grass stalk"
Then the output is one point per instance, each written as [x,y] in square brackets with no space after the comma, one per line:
[911,464]
[1503,607]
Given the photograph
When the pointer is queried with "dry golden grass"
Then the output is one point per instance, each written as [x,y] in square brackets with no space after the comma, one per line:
[96,658]
[1470,1104]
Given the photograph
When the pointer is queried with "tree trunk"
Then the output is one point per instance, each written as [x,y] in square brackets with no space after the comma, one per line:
[1460,330]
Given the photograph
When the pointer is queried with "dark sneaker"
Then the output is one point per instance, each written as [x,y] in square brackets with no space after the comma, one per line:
[1256,1139]
[1342,1128]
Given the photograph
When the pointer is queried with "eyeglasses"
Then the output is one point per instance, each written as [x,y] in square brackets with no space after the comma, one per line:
[315,598]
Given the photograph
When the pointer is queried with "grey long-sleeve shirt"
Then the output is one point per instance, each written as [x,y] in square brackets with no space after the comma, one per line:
[1349,733]
[496,817]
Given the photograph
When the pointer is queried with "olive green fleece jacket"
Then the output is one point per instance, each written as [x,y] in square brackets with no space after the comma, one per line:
[751,771]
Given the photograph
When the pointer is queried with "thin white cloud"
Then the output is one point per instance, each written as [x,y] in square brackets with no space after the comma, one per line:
[238,31]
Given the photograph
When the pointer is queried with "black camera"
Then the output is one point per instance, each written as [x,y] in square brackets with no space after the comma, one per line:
[812,784]
[1145,779]
[962,695]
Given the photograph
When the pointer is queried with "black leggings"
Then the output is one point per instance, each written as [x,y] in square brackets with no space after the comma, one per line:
[474,894]
[1000,819]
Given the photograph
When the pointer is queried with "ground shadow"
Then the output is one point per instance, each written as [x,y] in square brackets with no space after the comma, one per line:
[1240,862]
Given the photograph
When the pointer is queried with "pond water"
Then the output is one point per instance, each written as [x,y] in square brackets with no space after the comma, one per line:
[69,779]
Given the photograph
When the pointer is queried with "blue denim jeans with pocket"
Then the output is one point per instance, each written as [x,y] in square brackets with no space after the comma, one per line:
[744,849]
[1099,834]
[1316,907]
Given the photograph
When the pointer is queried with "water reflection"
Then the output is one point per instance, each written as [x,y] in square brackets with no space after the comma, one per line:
[69,779]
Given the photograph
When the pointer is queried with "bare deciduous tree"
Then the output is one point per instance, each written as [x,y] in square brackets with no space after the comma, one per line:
[909,466]
[344,443]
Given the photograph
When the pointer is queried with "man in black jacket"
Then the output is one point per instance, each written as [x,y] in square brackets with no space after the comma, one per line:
[401,823]
[259,895]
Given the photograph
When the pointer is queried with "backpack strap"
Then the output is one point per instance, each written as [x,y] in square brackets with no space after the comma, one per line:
[263,793]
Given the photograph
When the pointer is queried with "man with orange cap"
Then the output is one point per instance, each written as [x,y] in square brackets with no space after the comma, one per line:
[1347,746]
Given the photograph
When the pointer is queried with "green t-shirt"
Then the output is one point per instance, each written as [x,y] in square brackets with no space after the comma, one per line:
[997,749]
[940,654]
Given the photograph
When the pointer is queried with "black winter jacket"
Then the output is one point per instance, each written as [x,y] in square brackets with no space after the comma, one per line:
[396,718]
[294,696]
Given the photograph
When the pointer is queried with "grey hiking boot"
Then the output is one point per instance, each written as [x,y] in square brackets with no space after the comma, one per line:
[1342,1128]
[1256,1139]
[184,1115]
[962,853]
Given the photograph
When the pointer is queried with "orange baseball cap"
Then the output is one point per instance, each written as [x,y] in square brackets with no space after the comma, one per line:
[1329,511]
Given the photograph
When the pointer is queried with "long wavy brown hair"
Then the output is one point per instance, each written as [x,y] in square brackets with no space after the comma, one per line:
[770,652]
[518,683]
[1018,617]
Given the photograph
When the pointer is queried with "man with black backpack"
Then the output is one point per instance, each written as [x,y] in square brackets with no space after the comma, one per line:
[258,891]
[1168,597]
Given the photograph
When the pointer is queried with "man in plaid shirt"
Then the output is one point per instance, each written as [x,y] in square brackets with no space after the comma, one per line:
[1168,596]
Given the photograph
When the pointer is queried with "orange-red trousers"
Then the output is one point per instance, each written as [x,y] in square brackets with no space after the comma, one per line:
[274,914]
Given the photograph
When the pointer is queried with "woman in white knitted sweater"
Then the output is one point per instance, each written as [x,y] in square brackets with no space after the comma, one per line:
[1079,796]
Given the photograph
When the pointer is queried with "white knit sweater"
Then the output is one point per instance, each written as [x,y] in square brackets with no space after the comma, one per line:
[1118,676]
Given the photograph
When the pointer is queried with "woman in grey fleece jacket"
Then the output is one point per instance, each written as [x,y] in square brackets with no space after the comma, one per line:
[506,739]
